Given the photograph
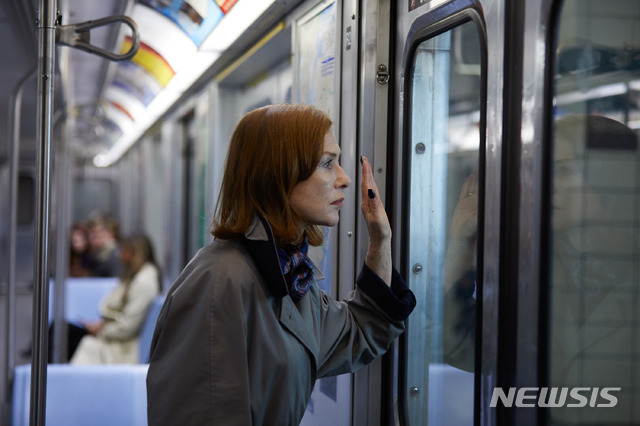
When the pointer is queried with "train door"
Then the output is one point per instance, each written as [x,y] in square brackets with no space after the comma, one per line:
[366,85]
[443,174]
[447,207]
[591,257]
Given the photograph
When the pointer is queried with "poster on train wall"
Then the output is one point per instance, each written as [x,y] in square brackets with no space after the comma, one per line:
[316,63]
[225,5]
[197,18]
[136,82]
[154,63]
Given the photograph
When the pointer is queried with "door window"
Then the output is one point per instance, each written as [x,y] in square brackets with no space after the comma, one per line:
[444,135]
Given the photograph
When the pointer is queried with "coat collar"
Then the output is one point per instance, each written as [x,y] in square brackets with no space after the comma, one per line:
[297,319]
[262,247]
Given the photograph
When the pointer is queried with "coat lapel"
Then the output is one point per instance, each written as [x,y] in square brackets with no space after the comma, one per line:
[299,325]
[260,243]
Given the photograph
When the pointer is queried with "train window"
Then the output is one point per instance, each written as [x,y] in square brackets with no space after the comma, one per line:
[594,206]
[444,133]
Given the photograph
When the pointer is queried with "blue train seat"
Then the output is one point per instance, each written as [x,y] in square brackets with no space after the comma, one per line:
[82,297]
[97,395]
[146,334]
[101,395]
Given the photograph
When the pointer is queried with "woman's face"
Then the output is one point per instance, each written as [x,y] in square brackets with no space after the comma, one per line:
[78,241]
[318,199]
[126,253]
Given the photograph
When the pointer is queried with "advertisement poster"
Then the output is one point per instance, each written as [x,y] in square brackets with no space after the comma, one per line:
[197,18]
[316,63]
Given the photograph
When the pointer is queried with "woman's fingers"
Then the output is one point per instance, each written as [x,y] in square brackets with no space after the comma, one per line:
[371,205]
[367,182]
[368,187]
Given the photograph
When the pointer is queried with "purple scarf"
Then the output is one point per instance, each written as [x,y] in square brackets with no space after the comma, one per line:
[297,269]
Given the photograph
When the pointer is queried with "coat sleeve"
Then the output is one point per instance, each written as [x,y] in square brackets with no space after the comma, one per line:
[362,327]
[198,373]
[125,324]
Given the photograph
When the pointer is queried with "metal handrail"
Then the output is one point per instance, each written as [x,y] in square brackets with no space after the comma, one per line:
[46,74]
[79,36]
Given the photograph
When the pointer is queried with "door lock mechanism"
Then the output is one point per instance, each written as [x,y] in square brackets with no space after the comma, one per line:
[382,76]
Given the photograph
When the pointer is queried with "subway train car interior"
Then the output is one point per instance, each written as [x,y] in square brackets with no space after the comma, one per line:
[503,138]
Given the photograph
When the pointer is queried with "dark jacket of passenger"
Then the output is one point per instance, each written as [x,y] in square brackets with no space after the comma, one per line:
[231,347]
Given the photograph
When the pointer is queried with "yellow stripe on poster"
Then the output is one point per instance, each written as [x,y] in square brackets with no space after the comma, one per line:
[151,61]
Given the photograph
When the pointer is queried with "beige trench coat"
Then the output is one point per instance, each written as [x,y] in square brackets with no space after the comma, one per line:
[231,347]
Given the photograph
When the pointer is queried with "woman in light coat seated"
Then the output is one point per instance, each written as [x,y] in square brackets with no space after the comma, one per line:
[115,338]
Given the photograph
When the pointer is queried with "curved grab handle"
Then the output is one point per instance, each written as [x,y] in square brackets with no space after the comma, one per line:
[79,36]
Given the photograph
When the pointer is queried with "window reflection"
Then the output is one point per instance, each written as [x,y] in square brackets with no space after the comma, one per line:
[443,210]
[595,329]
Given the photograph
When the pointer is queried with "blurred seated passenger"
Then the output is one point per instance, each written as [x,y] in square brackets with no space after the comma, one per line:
[115,338]
[103,247]
[79,263]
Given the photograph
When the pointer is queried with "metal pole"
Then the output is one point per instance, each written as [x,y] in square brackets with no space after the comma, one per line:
[15,112]
[46,51]
[62,190]
[63,186]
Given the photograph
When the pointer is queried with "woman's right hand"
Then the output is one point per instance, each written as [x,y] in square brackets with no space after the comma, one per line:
[372,208]
[378,256]
[93,328]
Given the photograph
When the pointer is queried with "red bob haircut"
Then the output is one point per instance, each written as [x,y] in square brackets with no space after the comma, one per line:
[272,149]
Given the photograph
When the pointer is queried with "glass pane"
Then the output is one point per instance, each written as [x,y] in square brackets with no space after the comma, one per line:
[443,208]
[595,327]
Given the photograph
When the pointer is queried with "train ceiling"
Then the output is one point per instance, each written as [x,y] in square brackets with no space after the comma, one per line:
[111,104]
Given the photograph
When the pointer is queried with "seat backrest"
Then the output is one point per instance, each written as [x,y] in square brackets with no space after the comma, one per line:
[146,334]
[96,395]
[82,298]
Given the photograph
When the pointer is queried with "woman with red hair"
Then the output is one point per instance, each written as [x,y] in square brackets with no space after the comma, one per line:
[245,331]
